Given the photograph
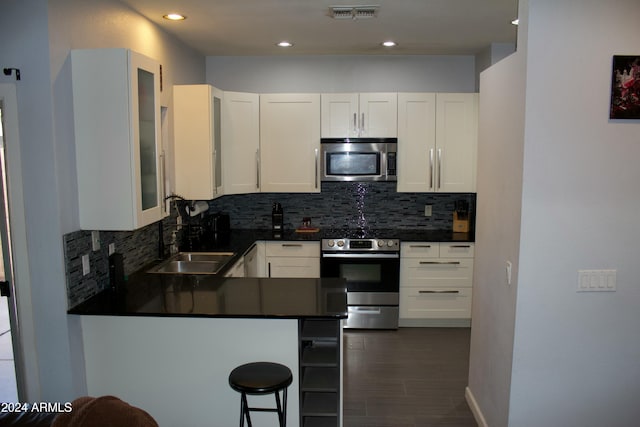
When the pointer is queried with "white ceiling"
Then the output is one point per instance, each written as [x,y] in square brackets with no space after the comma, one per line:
[253,27]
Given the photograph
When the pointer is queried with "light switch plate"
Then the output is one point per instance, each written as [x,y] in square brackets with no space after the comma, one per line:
[596,281]
[428,210]
[86,269]
[95,240]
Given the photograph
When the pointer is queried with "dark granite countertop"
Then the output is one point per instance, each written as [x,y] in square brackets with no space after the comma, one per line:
[168,295]
[239,240]
[149,294]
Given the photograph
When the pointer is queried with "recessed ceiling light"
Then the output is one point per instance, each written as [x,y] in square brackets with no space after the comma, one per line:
[515,21]
[174,17]
[285,44]
[389,43]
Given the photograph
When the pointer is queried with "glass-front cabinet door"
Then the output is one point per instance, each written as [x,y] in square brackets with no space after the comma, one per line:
[146,111]
[116,109]
[197,116]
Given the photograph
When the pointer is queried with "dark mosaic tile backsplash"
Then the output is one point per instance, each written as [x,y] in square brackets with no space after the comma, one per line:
[345,205]
[138,248]
[339,205]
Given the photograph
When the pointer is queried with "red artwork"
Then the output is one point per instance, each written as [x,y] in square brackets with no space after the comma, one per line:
[625,88]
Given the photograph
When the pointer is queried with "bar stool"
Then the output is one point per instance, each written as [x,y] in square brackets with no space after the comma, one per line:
[261,378]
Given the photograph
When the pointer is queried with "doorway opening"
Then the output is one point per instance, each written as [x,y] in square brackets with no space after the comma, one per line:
[8,383]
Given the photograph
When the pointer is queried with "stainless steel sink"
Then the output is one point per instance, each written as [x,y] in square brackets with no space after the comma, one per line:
[193,263]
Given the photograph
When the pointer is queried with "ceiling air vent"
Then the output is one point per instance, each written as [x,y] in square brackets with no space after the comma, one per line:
[353,12]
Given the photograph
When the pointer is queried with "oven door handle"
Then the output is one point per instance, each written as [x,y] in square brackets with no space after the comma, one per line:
[368,310]
[361,256]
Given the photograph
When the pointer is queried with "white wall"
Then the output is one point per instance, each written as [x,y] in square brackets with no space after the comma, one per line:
[492,55]
[575,355]
[499,185]
[36,37]
[262,74]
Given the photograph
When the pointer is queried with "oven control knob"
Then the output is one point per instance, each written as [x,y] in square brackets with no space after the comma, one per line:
[390,243]
[340,243]
[380,243]
[331,243]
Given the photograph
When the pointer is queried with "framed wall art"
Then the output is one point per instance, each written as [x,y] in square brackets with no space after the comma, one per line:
[625,87]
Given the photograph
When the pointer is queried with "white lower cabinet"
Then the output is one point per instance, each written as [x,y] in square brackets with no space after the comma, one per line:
[436,283]
[237,270]
[293,259]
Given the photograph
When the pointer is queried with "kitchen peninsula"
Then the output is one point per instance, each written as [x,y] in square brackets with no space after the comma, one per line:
[168,343]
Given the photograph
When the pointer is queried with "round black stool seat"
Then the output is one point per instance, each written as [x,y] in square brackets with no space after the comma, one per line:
[259,378]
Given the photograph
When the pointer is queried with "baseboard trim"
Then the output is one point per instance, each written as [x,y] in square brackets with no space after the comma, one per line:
[475,409]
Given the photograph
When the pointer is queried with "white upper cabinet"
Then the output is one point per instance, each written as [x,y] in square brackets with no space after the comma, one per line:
[416,142]
[289,142]
[456,142]
[198,141]
[241,142]
[117,138]
[437,142]
[351,115]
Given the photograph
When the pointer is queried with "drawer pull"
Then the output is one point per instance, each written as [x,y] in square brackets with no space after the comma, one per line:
[440,262]
[291,245]
[420,246]
[461,246]
[439,292]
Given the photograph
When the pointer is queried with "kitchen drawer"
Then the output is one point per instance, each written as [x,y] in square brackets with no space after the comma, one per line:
[436,272]
[430,303]
[293,249]
[456,250]
[419,249]
[293,267]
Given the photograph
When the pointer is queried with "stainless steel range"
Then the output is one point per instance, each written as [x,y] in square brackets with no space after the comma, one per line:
[371,267]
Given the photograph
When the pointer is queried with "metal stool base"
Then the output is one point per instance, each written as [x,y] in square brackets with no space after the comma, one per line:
[280,409]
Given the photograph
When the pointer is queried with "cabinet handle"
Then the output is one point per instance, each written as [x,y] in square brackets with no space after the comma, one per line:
[439,168]
[362,128]
[162,189]
[355,123]
[215,161]
[431,171]
[440,262]
[439,292]
[461,246]
[291,245]
[258,169]
[419,246]
[316,154]
[268,269]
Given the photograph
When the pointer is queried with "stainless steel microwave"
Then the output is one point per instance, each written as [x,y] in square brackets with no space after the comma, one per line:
[358,159]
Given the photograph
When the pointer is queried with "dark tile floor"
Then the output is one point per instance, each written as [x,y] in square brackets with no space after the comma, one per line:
[412,377]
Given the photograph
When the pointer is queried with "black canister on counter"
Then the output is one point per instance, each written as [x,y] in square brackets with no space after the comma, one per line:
[116,272]
[277,218]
